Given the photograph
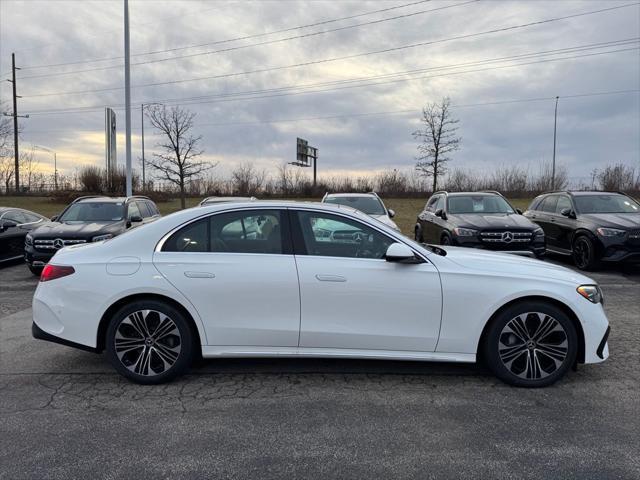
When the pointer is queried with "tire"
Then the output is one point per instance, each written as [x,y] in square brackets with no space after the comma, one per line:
[523,356]
[155,342]
[417,235]
[584,253]
[37,271]
[445,239]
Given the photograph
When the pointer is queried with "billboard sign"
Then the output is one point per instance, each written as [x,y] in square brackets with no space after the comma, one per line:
[305,155]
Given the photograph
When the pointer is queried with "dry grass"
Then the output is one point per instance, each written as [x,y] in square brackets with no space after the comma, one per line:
[406,208]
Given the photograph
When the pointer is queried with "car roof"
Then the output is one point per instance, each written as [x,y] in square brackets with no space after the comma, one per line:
[281,204]
[226,199]
[106,199]
[368,194]
[475,194]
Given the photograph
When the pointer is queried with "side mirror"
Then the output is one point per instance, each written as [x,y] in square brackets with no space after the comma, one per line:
[392,213]
[7,224]
[54,218]
[440,213]
[518,211]
[135,219]
[400,253]
[567,212]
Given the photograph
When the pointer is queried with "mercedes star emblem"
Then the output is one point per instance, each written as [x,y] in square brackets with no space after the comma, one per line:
[507,237]
[58,243]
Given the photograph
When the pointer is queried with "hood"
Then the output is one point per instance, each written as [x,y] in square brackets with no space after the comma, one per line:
[386,220]
[75,229]
[613,220]
[513,265]
[492,220]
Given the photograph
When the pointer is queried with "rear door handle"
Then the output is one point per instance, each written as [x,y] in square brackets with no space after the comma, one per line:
[199,275]
[331,278]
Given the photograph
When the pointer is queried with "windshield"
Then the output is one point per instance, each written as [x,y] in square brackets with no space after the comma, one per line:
[368,205]
[93,212]
[478,204]
[614,203]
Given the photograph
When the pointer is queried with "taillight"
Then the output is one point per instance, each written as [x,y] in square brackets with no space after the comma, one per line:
[51,272]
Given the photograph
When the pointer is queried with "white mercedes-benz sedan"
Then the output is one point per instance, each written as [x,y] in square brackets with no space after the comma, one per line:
[312,280]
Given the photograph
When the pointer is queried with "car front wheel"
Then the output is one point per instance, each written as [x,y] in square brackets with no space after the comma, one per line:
[584,253]
[149,342]
[37,271]
[531,344]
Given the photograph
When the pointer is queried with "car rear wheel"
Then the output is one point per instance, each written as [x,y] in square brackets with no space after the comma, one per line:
[584,253]
[531,344]
[149,342]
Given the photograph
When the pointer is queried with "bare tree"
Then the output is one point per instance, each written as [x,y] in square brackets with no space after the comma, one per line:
[29,165]
[437,139]
[247,179]
[178,163]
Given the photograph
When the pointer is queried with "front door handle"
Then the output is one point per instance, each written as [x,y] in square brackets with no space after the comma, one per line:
[199,275]
[331,278]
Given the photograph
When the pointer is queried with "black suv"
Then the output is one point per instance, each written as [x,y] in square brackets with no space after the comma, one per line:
[590,226]
[86,219]
[480,220]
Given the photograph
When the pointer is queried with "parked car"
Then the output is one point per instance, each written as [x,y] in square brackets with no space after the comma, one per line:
[480,220]
[183,287]
[369,203]
[592,227]
[15,223]
[86,219]
[212,200]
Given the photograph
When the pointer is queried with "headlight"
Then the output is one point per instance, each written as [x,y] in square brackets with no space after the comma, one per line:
[99,238]
[538,232]
[28,239]
[611,232]
[465,232]
[591,293]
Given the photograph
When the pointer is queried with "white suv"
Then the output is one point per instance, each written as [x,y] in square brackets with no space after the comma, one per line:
[369,203]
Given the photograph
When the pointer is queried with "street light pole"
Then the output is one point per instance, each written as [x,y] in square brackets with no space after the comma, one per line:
[553,167]
[127,98]
[142,122]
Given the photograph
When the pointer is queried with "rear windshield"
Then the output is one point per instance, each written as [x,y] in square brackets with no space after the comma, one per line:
[93,212]
[478,204]
[614,203]
[368,205]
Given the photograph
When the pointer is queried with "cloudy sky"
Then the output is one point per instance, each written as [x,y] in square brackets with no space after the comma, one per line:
[368,68]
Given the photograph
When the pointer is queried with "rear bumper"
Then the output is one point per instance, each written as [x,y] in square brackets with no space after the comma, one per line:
[40,334]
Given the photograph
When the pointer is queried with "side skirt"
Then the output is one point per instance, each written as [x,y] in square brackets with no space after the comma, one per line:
[209,351]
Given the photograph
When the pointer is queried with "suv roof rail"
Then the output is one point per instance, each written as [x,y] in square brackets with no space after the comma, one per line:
[85,197]
[492,191]
[440,191]
[139,196]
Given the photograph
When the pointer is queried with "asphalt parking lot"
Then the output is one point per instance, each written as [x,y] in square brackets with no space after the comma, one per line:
[66,414]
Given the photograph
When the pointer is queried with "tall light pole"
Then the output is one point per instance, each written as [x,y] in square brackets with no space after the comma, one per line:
[553,167]
[127,98]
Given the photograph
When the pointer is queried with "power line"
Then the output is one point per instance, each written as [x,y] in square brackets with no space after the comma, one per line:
[390,112]
[247,37]
[173,82]
[375,52]
[202,99]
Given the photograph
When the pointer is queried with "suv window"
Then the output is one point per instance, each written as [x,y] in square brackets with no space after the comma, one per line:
[144,209]
[133,210]
[15,216]
[440,203]
[329,235]
[246,231]
[152,208]
[563,202]
[431,204]
[549,204]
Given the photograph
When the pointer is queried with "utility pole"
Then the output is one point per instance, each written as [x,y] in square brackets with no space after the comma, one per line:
[127,97]
[142,123]
[553,167]
[15,116]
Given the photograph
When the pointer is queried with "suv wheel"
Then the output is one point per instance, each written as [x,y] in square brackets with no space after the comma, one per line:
[37,271]
[445,240]
[584,253]
[417,235]
[149,342]
[531,344]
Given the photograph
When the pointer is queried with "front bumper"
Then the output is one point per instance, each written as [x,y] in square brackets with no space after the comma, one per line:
[36,258]
[535,247]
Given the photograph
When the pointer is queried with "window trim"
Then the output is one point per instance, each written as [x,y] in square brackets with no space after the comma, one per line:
[285,232]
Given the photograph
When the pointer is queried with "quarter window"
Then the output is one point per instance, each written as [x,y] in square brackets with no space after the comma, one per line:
[192,238]
[334,236]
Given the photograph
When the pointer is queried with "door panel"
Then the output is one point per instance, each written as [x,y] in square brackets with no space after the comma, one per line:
[242,298]
[352,298]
